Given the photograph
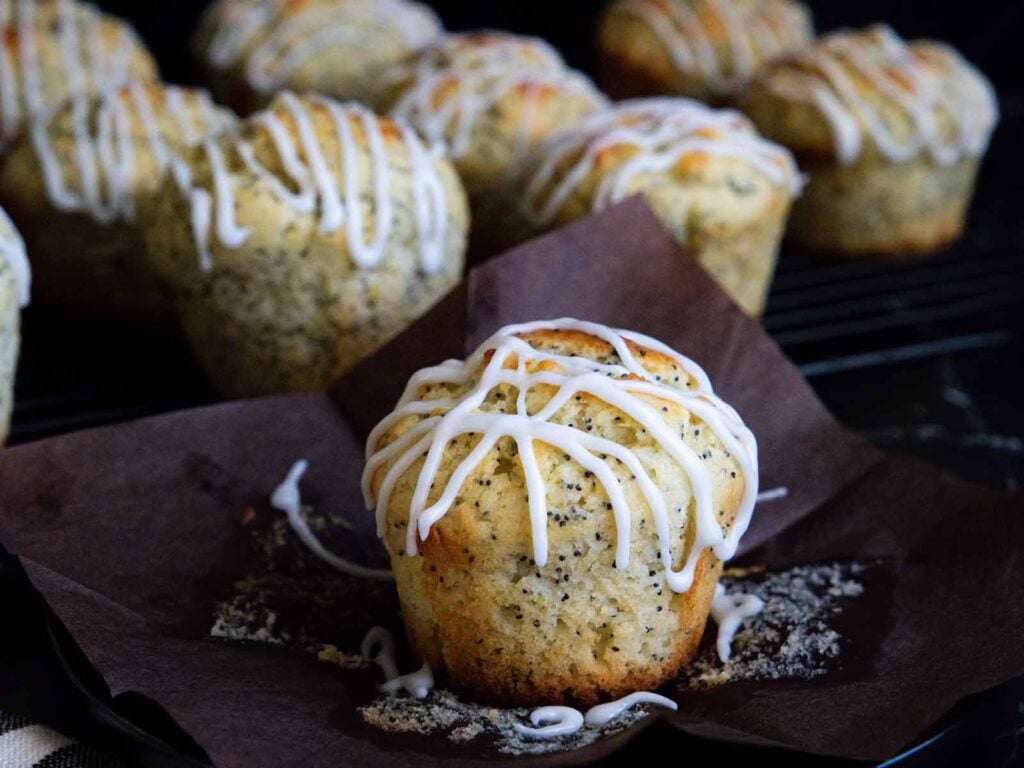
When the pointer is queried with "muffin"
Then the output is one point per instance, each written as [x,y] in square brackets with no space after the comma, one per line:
[251,49]
[492,97]
[721,189]
[306,240]
[15,282]
[890,135]
[73,185]
[557,508]
[54,49]
[704,49]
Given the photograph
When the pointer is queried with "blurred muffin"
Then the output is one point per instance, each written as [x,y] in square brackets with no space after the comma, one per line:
[15,282]
[704,49]
[308,238]
[492,97]
[73,185]
[53,49]
[251,49]
[721,189]
[571,556]
[890,135]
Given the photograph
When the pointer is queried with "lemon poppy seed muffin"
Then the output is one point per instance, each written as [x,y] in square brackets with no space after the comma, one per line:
[704,49]
[721,189]
[251,49]
[53,49]
[889,133]
[557,508]
[304,241]
[15,283]
[73,185]
[492,97]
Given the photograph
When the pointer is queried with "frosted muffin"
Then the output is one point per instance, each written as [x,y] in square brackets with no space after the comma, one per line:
[73,185]
[557,508]
[306,240]
[54,49]
[704,49]
[890,135]
[721,189]
[15,282]
[492,97]
[251,49]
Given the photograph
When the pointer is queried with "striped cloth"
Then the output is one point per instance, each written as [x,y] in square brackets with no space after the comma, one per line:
[25,744]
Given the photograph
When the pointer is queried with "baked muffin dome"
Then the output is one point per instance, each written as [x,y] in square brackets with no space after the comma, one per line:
[15,284]
[890,134]
[306,240]
[54,49]
[251,49]
[556,508]
[704,49]
[73,185]
[720,188]
[492,97]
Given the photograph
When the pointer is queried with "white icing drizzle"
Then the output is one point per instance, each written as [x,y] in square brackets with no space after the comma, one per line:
[661,132]
[475,72]
[378,648]
[105,149]
[509,355]
[922,80]
[772,494]
[729,612]
[295,38]
[287,498]
[85,57]
[603,714]
[12,250]
[755,33]
[315,177]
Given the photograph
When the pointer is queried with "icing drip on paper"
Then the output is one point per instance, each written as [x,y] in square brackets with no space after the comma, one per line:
[84,55]
[660,132]
[507,359]
[287,498]
[314,176]
[296,38]
[378,648]
[729,612]
[455,82]
[12,251]
[754,33]
[105,149]
[556,722]
[922,80]
[774,493]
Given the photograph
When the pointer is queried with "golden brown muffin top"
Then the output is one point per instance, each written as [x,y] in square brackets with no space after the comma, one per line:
[272,39]
[526,383]
[52,49]
[722,42]
[673,138]
[859,90]
[98,152]
[446,88]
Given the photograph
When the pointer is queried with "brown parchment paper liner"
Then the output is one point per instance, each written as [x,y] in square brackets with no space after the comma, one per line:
[133,533]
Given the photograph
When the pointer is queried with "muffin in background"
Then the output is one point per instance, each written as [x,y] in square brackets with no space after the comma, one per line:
[721,189]
[15,285]
[305,240]
[890,134]
[54,49]
[74,183]
[570,557]
[703,49]
[492,97]
[251,49]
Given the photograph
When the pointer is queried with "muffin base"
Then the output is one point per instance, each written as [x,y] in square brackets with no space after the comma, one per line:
[9,342]
[880,209]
